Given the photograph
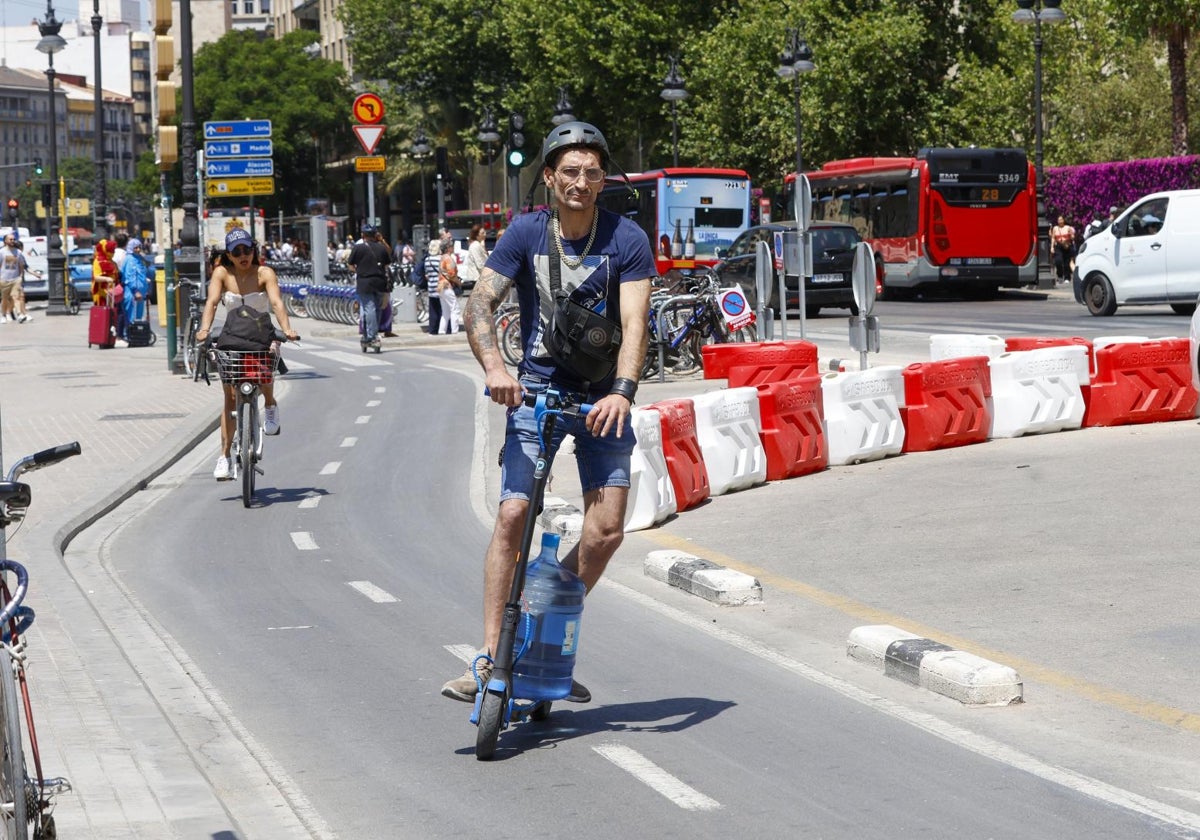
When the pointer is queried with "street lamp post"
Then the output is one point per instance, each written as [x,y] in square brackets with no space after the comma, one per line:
[562,109]
[796,59]
[674,92]
[420,151]
[100,210]
[50,43]
[1038,12]
[489,136]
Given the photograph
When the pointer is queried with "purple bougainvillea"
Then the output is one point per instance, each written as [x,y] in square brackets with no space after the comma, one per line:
[1085,192]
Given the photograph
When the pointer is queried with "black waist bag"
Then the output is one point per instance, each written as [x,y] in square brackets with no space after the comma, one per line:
[246,329]
[580,341]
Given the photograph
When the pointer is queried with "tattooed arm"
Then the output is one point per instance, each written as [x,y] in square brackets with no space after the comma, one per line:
[481,332]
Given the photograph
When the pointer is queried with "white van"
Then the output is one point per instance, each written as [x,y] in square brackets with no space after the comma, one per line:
[1150,254]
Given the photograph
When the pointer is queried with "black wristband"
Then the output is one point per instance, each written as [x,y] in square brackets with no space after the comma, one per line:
[626,388]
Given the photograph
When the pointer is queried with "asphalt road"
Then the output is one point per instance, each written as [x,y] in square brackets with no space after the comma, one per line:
[326,619]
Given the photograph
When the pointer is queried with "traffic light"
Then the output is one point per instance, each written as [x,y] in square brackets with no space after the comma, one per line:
[13,207]
[37,166]
[516,143]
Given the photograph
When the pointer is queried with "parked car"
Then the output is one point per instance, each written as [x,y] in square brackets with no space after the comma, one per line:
[833,246]
[1149,255]
[79,267]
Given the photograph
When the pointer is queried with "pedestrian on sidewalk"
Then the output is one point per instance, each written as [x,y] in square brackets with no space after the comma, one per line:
[242,280]
[448,286]
[604,263]
[368,260]
[432,273]
[136,282]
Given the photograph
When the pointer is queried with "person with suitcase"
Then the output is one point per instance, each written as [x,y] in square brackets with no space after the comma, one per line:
[135,279]
[102,319]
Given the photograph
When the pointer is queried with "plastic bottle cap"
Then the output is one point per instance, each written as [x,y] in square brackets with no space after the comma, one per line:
[551,541]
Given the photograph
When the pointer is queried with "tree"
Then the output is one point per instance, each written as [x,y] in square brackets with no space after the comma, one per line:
[242,76]
[1175,22]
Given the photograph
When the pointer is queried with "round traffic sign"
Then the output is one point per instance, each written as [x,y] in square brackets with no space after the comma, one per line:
[368,108]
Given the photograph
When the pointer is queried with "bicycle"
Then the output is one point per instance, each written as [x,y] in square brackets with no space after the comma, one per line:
[681,324]
[71,296]
[247,371]
[508,328]
[191,350]
[495,703]
[25,802]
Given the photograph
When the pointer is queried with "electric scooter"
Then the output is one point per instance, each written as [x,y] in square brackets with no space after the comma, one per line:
[496,707]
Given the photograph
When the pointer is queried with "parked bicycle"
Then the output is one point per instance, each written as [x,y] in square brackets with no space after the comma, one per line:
[190,349]
[508,328]
[248,371]
[682,323]
[26,802]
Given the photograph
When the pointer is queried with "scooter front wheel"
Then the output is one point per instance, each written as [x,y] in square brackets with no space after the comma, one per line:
[491,715]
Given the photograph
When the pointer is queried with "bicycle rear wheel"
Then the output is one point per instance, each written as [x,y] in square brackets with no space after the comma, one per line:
[246,422]
[510,341]
[13,782]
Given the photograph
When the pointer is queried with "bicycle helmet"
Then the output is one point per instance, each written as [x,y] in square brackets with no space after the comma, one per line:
[572,135]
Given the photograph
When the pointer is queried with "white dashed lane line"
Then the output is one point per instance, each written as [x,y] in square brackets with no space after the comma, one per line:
[379,596]
[381,389]
[649,773]
[331,468]
[309,502]
[348,442]
[362,420]
[374,403]
[304,541]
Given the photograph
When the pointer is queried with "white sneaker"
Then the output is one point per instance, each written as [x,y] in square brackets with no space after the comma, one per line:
[271,420]
[120,342]
[221,470]
[21,319]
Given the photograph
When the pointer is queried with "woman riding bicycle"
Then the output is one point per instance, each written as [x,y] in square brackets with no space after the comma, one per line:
[241,280]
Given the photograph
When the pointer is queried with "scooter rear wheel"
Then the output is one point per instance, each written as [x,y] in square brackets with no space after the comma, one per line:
[491,714]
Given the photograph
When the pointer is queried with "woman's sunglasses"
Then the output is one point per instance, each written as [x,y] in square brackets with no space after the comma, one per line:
[242,250]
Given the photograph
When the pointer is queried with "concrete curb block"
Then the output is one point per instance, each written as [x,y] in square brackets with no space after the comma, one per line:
[961,676]
[560,517]
[703,578]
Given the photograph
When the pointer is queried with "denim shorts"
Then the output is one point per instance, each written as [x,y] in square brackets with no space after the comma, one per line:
[601,461]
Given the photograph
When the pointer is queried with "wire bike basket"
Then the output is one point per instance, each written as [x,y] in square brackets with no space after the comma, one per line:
[257,366]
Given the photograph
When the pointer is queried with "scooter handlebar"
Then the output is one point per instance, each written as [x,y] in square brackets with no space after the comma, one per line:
[554,400]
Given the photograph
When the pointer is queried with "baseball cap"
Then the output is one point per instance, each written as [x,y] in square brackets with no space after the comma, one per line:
[133,243]
[368,228]
[1113,210]
[236,237]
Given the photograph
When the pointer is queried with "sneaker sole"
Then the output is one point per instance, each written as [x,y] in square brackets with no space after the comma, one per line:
[457,695]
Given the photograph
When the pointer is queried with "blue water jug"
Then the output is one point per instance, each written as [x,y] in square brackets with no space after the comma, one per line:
[553,607]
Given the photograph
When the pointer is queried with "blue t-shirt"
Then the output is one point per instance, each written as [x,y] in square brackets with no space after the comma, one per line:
[620,254]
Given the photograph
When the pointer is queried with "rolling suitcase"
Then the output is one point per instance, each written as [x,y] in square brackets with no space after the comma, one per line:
[138,332]
[102,323]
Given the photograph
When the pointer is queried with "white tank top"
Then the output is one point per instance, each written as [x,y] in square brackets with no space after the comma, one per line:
[255,300]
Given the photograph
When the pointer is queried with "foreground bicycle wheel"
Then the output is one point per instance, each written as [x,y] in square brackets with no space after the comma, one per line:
[13,804]
[246,421]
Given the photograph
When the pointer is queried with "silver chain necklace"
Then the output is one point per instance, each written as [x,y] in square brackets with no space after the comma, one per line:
[573,263]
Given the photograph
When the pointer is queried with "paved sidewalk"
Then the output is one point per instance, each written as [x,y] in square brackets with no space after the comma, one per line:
[137,771]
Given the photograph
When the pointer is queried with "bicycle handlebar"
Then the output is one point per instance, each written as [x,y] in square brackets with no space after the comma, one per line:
[45,458]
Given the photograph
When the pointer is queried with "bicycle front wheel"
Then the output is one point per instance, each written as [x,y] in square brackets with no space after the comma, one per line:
[190,351]
[13,783]
[246,423]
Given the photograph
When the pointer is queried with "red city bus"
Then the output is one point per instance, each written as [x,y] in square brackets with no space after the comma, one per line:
[712,204]
[955,218]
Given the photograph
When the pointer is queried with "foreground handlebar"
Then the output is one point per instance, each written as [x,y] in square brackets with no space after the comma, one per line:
[553,400]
